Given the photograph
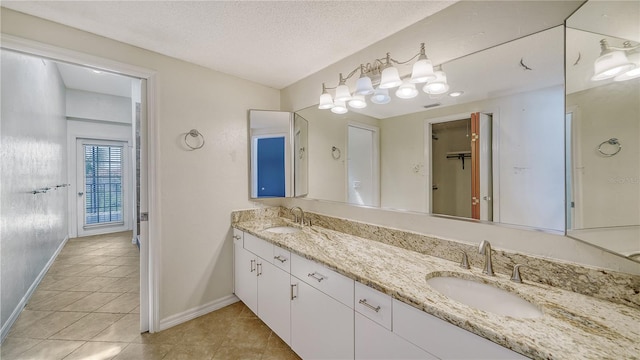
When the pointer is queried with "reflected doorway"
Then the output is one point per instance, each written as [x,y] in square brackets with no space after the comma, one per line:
[461,181]
[363,186]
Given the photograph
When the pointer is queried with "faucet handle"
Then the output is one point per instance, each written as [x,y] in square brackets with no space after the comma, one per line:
[515,275]
[465,261]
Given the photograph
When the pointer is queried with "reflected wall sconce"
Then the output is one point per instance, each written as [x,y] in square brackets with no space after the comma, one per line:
[614,63]
[382,74]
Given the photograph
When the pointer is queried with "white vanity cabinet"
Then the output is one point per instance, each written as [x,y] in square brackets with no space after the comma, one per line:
[442,339]
[261,285]
[321,319]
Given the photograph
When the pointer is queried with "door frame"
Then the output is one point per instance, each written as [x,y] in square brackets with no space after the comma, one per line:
[150,254]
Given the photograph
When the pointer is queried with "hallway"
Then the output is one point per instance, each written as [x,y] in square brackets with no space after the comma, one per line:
[87,307]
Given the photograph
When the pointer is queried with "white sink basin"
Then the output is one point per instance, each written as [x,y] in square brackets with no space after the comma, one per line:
[283,229]
[484,297]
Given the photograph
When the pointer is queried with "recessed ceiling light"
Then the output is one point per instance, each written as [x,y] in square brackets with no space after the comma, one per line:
[456,93]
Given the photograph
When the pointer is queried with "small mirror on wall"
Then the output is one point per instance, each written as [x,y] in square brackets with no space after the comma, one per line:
[278,154]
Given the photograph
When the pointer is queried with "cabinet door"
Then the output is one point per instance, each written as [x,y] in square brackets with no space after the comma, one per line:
[245,279]
[274,300]
[373,341]
[444,340]
[321,327]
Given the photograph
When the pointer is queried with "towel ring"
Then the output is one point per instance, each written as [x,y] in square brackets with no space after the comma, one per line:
[194,133]
[335,153]
[612,141]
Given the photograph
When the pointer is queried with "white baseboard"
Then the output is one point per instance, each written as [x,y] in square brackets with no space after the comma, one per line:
[197,311]
[25,299]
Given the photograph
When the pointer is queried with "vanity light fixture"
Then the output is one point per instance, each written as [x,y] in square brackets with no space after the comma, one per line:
[383,74]
[634,58]
[613,62]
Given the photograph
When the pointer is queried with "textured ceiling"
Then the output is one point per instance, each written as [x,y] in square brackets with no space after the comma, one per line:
[274,43]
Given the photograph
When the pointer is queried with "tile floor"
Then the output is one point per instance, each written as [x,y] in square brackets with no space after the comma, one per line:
[87,307]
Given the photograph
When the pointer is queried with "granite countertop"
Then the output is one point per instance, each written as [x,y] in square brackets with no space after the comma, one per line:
[573,325]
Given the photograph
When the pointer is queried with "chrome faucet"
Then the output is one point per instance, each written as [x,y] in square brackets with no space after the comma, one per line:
[485,247]
[298,219]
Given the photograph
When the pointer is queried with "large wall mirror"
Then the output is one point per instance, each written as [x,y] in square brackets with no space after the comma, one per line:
[603,126]
[503,135]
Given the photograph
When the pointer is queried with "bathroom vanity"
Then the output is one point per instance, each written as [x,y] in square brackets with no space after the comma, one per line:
[329,294]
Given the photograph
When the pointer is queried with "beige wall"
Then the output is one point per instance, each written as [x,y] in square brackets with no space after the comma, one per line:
[198,189]
[608,191]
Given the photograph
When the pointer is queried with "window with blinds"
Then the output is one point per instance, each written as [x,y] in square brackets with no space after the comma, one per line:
[103,184]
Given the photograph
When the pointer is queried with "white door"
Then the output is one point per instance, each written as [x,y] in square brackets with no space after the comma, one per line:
[363,185]
[104,189]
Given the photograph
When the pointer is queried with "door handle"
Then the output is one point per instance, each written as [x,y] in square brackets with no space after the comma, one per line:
[80,193]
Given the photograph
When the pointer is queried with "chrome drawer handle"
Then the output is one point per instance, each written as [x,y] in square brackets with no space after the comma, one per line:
[365,303]
[293,296]
[280,258]
[252,268]
[318,277]
[237,237]
[259,268]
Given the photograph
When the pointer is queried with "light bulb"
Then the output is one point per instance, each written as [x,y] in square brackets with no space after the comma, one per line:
[634,58]
[437,86]
[358,102]
[610,64]
[325,101]
[389,78]
[339,107]
[422,71]
[407,90]
[342,93]
[381,96]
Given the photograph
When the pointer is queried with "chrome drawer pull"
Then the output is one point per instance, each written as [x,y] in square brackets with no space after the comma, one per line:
[259,268]
[293,296]
[280,258]
[237,237]
[252,268]
[319,277]
[365,303]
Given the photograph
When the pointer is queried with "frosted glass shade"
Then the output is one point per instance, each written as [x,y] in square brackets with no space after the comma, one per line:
[437,86]
[325,101]
[358,102]
[339,107]
[407,90]
[634,72]
[381,96]
[389,78]
[610,64]
[422,71]
[364,86]
[342,93]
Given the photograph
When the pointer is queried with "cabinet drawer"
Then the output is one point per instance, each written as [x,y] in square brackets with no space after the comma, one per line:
[442,339]
[282,258]
[238,236]
[328,281]
[259,247]
[373,304]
